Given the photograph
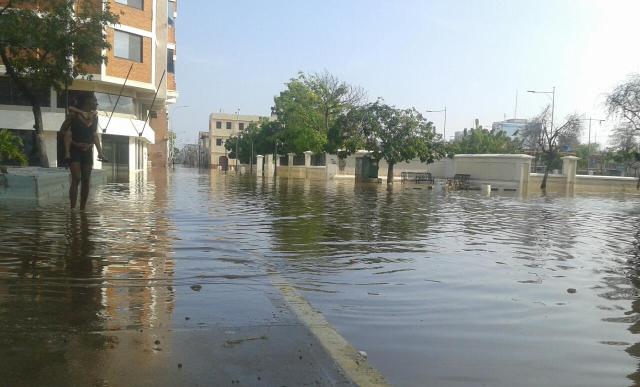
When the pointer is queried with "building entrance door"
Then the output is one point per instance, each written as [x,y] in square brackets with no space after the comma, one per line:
[116,150]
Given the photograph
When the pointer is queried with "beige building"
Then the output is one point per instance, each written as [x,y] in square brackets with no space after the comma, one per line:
[223,126]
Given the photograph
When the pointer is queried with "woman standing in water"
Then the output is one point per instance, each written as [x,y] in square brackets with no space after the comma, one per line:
[80,135]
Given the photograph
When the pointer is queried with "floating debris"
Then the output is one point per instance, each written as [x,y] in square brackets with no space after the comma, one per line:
[231,343]
[571,290]
[196,288]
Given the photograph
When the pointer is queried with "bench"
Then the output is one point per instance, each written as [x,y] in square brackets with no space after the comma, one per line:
[461,181]
[417,177]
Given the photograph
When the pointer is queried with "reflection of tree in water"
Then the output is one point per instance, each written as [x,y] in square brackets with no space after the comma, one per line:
[345,224]
[633,316]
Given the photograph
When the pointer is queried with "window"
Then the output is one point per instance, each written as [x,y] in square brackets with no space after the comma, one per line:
[218,141]
[132,3]
[171,66]
[228,125]
[128,46]
[171,11]
[241,125]
[11,95]
[218,124]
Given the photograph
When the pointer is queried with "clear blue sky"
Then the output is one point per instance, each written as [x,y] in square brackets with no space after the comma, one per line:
[471,56]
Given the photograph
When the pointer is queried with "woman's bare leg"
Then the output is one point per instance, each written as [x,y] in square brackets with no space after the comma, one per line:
[85,184]
[76,175]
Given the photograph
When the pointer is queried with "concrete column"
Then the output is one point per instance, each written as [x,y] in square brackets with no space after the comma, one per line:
[290,159]
[331,165]
[259,164]
[268,165]
[307,158]
[569,169]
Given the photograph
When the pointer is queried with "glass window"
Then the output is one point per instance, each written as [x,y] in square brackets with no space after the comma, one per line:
[218,141]
[106,102]
[11,95]
[218,124]
[241,125]
[171,66]
[228,125]
[128,46]
[171,11]
[132,3]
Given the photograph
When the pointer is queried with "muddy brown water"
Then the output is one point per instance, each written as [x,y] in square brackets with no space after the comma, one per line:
[447,289]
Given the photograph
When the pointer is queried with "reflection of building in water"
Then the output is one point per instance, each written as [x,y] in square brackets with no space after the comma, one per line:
[88,297]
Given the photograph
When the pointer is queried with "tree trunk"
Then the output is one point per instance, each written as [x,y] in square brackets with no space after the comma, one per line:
[40,142]
[35,107]
[543,186]
[390,173]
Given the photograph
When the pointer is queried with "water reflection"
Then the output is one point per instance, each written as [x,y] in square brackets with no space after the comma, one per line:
[440,288]
[74,285]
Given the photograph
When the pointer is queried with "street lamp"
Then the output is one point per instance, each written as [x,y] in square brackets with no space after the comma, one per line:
[553,105]
[444,127]
[600,121]
[553,100]
[237,136]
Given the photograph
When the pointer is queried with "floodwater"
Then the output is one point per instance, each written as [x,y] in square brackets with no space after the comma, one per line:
[446,289]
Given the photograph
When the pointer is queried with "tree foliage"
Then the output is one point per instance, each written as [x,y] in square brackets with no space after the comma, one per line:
[479,141]
[399,135]
[51,45]
[624,101]
[11,148]
[310,108]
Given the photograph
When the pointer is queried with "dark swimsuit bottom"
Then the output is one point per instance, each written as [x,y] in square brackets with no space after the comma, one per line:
[80,156]
[81,133]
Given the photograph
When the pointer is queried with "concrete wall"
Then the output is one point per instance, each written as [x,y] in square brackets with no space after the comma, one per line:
[586,183]
[441,168]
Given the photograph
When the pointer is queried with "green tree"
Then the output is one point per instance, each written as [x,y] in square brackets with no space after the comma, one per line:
[398,135]
[309,110]
[480,141]
[11,148]
[49,46]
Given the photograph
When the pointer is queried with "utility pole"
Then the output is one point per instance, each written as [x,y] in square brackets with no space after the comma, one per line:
[237,136]
[444,127]
[600,121]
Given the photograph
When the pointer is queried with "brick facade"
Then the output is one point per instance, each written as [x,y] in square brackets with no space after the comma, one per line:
[158,151]
[134,17]
[119,67]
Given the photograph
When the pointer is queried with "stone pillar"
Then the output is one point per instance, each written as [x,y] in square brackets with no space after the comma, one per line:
[268,165]
[569,169]
[259,164]
[290,159]
[307,158]
[331,165]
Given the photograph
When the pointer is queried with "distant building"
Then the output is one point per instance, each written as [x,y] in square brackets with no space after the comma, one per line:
[222,126]
[512,127]
[458,135]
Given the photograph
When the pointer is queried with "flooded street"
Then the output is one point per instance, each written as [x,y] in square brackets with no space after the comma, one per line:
[447,289]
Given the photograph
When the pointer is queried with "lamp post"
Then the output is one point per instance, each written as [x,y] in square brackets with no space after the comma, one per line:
[600,121]
[553,105]
[237,136]
[444,126]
